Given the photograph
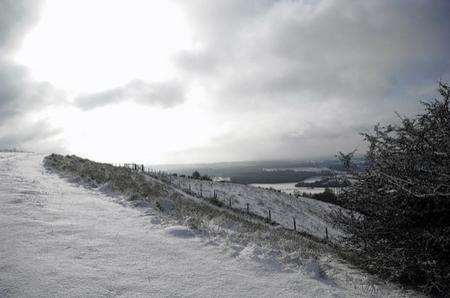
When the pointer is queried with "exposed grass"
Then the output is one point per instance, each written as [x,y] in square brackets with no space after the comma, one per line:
[216,202]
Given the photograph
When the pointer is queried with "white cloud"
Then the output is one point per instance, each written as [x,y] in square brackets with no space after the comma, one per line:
[267,79]
[20,96]
[164,94]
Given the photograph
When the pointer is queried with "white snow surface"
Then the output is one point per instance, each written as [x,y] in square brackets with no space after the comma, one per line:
[59,239]
[289,188]
[312,216]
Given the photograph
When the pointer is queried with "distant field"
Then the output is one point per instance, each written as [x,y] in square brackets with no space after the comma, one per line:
[289,188]
[261,172]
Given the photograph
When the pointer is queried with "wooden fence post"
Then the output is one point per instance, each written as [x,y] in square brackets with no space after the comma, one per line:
[326,233]
[295,224]
[270,217]
[229,202]
[248,208]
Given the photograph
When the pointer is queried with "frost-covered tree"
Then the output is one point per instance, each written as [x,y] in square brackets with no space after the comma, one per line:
[399,223]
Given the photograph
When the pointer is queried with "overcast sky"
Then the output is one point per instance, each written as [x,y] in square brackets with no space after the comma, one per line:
[204,81]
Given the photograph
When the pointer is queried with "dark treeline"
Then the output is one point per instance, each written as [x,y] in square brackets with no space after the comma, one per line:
[285,176]
[325,182]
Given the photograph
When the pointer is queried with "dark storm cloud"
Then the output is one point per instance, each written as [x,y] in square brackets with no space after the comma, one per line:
[345,64]
[353,49]
[19,95]
[15,16]
[29,135]
[163,94]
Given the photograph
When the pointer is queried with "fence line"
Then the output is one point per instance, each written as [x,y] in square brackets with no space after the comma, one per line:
[187,188]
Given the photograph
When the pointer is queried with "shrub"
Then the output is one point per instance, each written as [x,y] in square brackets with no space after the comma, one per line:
[206,178]
[196,175]
[399,219]
[215,201]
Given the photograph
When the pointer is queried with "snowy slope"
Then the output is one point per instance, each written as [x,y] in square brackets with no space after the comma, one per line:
[311,216]
[58,239]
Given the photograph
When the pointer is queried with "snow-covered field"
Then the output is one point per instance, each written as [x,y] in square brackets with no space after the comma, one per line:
[289,188]
[311,216]
[59,239]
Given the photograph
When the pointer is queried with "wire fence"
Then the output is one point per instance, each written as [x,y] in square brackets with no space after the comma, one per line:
[194,187]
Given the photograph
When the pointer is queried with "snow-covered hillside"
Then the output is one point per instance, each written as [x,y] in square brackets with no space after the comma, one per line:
[311,216]
[59,239]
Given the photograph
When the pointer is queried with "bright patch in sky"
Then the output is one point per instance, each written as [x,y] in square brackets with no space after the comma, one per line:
[128,132]
[86,46]
[89,46]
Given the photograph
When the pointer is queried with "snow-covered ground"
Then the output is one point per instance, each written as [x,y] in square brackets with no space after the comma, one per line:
[59,239]
[311,216]
[289,188]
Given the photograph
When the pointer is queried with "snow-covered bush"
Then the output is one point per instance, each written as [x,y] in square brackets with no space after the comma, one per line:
[400,224]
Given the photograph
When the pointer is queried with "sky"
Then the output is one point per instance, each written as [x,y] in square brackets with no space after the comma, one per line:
[207,81]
